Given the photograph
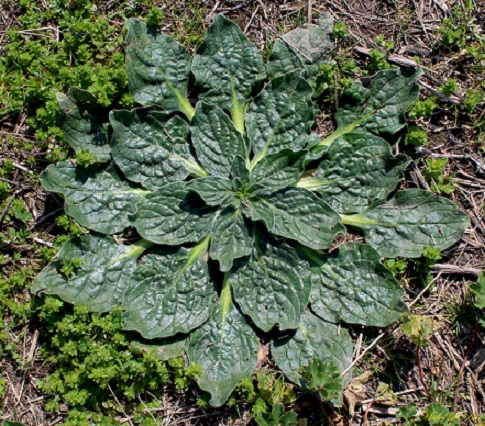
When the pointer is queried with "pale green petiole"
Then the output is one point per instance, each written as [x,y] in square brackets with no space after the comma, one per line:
[358,221]
[257,158]
[340,131]
[314,183]
[237,111]
[198,250]
[185,106]
[183,102]
[136,249]
[226,296]
[196,169]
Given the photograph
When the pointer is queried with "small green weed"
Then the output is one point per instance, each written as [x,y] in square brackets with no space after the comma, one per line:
[473,98]
[423,108]
[435,174]
[462,27]
[323,378]
[95,361]
[416,136]
[433,415]
[478,291]
[450,86]
[84,158]
[277,417]
[33,69]
[378,60]
[340,30]
[155,16]
[419,329]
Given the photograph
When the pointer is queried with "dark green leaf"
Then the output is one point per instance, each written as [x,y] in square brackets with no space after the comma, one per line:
[352,285]
[276,171]
[314,338]
[173,216]
[300,215]
[158,68]
[226,349]
[101,279]
[302,50]
[227,66]
[239,169]
[409,222]
[272,286]
[151,148]
[97,199]
[257,210]
[231,237]
[84,123]
[215,191]
[215,139]
[280,116]
[170,292]
[357,170]
[378,105]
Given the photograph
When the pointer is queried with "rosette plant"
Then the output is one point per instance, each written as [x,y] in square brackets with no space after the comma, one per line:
[236,202]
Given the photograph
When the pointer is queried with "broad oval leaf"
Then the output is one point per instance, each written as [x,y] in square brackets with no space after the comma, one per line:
[172,215]
[357,170]
[280,115]
[84,123]
[378,105]
[231,237]
[215,139]
[225,348]
[272,286]
[409,222]
[276,171]
[314,338]
[303,50]
[352,285]
[158,68]
[300,215]
[151,148]
[215,191]
[170,292]
[98,199]
[227,66]
[100,280]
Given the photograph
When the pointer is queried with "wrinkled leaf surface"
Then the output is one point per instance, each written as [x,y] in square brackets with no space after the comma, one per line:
[98,199]
[409,222]
[352,285]
[226,349]
[272,286]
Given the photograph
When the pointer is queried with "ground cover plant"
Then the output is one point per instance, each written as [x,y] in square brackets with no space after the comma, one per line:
[236,201]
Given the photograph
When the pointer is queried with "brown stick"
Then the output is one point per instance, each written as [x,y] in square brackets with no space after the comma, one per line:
[453,269]
[395,59]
